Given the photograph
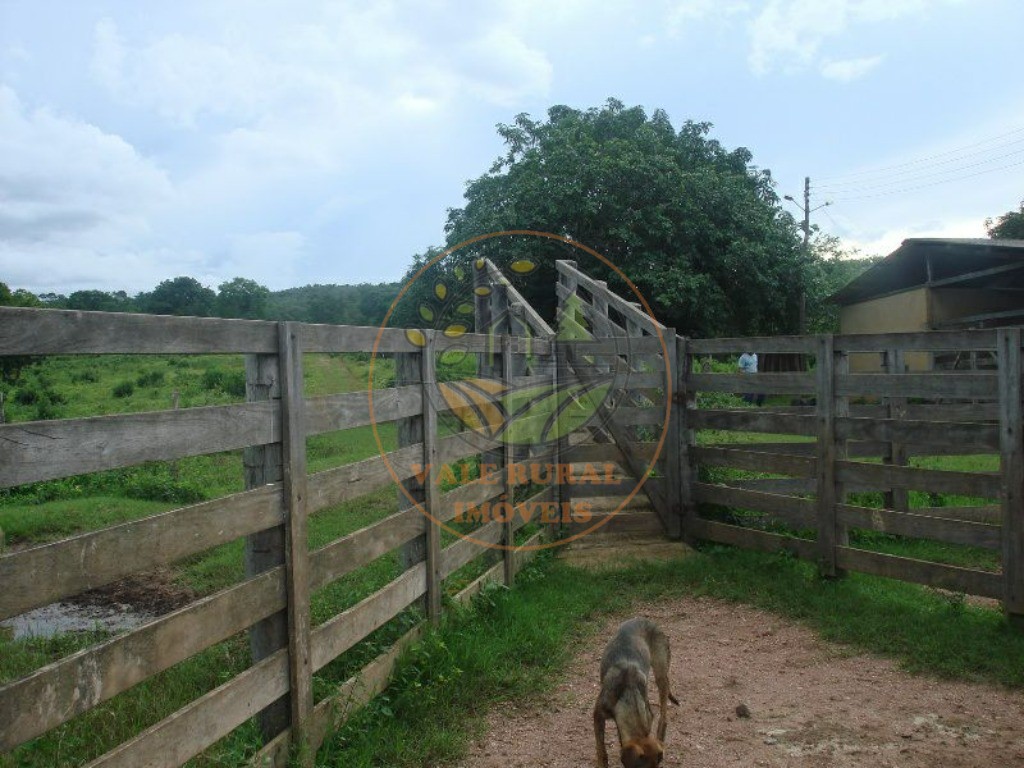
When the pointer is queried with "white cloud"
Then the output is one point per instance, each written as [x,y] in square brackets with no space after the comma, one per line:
[66,180]
[687,13]
[848,70]
[885,242]
[788,34]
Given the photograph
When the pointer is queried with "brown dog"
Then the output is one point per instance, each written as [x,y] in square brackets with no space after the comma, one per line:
[638,648]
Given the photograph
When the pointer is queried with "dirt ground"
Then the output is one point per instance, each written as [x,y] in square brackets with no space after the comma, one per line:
[811,705]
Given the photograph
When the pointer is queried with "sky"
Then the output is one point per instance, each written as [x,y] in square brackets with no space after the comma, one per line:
[324,142]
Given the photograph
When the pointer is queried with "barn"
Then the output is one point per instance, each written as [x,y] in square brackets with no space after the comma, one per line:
[936,284]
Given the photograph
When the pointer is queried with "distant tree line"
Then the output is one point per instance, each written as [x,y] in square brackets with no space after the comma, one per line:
[364,304]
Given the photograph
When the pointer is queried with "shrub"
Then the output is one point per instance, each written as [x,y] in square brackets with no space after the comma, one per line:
[229,382]
[124,389]
[27,395]
[150,379]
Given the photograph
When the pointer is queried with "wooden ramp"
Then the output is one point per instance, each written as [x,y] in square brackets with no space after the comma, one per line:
[627,534]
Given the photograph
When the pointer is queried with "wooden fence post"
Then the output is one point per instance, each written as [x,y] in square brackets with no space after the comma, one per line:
[431,493]
[685,400]
[896,498]
[825,409]
[509,458]
[673,439]
[265,550]
[1012,465]
[293,432]
[409,372]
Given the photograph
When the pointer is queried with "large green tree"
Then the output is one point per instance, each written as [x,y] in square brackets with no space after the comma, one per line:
[695,226]
[179,296]
[242,297]
[1009,226]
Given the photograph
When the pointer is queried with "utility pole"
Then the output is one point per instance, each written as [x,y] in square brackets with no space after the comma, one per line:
[806,227]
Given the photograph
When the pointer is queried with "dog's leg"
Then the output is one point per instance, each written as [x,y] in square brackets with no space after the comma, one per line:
[661,656]
[602,750]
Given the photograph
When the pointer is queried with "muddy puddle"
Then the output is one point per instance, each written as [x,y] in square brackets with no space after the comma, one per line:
[61,618]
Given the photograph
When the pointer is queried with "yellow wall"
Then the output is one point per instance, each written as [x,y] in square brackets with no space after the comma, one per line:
[899,313]
[952,303]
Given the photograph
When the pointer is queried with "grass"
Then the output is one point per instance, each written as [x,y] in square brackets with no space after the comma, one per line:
[515,644]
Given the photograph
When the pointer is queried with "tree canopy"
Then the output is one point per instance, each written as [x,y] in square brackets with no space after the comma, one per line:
[695,226]
[1009,226]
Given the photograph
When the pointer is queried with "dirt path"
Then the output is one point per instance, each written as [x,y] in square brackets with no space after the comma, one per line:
[812,705]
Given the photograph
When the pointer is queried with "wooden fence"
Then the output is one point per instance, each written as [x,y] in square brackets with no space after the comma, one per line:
[827,437]
[273,601]
[798,475]
[836,452]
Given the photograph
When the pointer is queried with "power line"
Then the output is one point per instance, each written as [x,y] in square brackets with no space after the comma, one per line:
[934,168]
[932,184]
[918,161]
[921,176]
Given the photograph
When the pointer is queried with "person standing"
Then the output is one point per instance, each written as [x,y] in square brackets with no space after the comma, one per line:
[748,365]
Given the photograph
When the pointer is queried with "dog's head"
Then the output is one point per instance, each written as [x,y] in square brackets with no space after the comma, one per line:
[642,753]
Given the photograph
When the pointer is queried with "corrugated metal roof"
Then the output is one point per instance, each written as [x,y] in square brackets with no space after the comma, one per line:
[907,266]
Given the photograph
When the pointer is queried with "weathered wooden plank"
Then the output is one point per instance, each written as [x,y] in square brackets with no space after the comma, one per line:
[72,332]
[354,409]
[47,573]
[193,728]
[531,316]
[855,449]
[751,538]
[684,403]
[952,384]
[340,484]
[896,452]
[475,543]
[1012,472]
[828,491]
[526,551]
[349,338]
[983,484]
[354,550]
[47,450]
[633,416]
[296,535]
[987,513]
[921,526]
[493,575]
[789,509]
[762,344]
[939,575]
[928,341]
[627,308]
[328,715]
[264,550]
[790,486]
[749,457]
[760,383]
[965,437]
[598,453]
[751,420]
[431,491]
[337,635]
[64,689]
[625,346]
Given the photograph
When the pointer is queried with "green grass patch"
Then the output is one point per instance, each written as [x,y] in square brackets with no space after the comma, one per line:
[514,644]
